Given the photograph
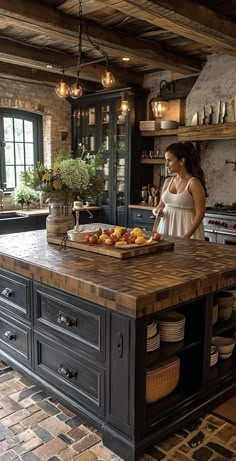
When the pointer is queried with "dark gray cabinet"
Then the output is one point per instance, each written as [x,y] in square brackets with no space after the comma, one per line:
[94,360]
[141,218]
[98,120]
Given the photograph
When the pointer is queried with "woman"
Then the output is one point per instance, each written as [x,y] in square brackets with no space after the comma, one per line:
[182,204]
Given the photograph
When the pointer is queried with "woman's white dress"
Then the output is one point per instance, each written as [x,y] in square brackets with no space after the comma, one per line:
[178,214]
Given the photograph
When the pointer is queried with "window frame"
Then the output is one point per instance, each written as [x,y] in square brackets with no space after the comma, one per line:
[37,122]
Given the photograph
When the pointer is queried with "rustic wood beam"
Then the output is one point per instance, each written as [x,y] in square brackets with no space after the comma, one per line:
[40,57]
[185,18]
[54,23]
[17,72]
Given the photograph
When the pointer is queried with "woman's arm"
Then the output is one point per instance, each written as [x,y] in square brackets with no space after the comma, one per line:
[160,207]
[199,200]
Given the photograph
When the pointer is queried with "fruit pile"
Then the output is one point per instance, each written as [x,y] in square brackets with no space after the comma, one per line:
[120,236]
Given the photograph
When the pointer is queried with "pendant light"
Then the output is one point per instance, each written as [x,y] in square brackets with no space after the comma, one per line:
[107,79]
[62,89]
[124,106]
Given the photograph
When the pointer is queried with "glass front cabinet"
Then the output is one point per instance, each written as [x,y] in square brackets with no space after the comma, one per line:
[98,120]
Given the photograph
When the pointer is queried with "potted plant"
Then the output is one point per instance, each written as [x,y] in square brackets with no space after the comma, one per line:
[24,195]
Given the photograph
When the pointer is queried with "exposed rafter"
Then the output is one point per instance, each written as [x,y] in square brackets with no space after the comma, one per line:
[184,18]
[55,24]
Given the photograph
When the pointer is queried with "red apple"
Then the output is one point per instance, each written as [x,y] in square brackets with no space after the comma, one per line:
[156,236]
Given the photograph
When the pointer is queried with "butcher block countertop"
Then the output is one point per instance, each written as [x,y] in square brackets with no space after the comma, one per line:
[136,286]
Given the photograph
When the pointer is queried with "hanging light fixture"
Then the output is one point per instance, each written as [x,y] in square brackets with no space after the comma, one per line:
[160,104]
[107,79]
[62,89]
[124,106]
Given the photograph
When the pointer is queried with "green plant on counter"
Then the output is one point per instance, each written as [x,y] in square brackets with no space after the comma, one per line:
[24,195]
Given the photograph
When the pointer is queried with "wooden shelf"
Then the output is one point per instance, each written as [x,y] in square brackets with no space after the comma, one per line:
[198,133]
[160,133]
[153,161]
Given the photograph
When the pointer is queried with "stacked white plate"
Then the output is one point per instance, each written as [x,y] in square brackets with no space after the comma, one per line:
[153,337]
[214,356]
[171,326]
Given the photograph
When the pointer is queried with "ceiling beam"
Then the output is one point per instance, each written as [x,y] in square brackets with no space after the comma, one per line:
[55,24]
[17,72]
[21,54]
[185,18]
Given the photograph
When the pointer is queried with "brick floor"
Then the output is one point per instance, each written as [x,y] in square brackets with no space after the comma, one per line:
[34,427]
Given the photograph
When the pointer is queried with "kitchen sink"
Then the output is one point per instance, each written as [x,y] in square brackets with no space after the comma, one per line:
[11,215]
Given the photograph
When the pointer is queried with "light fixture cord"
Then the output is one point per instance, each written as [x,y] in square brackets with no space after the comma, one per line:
[80,40]
[96,46]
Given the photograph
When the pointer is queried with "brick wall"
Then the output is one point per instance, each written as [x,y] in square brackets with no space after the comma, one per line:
[42,100]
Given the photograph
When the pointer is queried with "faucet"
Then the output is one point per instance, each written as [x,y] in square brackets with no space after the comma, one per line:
[90,214]
[231,161]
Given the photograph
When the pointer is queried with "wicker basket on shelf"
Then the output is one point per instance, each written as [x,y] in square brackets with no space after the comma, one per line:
[162,380]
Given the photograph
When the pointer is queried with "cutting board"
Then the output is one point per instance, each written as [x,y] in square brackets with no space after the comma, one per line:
[127,252]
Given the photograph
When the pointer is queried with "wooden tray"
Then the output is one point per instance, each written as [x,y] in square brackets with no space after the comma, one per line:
[117,252]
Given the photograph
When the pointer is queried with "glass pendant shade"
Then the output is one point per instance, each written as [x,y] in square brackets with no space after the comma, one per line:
[107,79]
[76,91]
[159,108]
[62,89]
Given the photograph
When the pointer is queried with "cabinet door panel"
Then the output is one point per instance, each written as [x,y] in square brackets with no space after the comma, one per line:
[15,339]
[15,293]
[78,378]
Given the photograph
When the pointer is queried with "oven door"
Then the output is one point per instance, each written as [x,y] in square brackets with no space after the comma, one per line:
[226,238]
[210,235]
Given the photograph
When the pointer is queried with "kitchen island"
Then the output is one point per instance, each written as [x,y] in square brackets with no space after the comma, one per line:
[76,322]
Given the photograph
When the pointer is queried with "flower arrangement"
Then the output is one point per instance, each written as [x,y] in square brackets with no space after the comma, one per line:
[68,178]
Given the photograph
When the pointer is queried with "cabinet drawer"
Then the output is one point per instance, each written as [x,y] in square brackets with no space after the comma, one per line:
[77,377]
[15,293]
[72,319]
[15,339]
[142,218]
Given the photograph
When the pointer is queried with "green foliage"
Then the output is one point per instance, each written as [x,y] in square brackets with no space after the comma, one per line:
[24,194]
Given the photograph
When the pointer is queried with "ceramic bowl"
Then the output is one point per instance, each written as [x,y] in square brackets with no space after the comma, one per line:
[224,345]
[225,356]
[225,312]
[214,314]
[224,299]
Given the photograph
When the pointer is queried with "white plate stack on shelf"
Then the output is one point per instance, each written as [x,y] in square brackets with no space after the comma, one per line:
[153,337]
[148,125]
[171,326]
[214,356]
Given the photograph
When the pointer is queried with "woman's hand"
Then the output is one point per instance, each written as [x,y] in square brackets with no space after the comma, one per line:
[158,211]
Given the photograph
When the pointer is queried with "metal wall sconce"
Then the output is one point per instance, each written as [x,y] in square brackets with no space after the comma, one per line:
[160,104]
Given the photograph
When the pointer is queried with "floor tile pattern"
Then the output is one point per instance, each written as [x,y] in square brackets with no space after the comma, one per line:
[34,427]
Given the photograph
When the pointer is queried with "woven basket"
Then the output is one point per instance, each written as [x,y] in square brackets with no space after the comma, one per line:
[161,381]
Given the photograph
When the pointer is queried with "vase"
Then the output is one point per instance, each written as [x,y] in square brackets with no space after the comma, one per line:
[59,219]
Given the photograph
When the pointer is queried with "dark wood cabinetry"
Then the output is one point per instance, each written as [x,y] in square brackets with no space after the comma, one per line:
[94,360]
[98,120]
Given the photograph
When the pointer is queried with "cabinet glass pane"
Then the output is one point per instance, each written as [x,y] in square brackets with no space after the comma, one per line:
[121,130]
[106,127]
[90,121]
[107,185]
[120,181]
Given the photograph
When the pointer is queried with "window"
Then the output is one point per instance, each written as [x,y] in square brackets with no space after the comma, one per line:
[20,145]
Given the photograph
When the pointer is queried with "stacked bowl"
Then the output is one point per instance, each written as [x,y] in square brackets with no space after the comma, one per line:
[153,337]
[214,356]
[224,299]
[224,346]
[171,326]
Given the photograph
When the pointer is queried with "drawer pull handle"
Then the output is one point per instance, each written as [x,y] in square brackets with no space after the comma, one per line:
[9,335]
[139,215]
[152,217]
[120,344]
[67,372]
[7,292]
[68,321]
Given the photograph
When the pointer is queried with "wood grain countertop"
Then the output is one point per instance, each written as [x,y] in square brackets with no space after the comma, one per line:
[137,286]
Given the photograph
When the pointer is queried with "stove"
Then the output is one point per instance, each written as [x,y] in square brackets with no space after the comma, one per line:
[220,224]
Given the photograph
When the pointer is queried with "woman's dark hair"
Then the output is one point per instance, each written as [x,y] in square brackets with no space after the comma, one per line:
[187,151]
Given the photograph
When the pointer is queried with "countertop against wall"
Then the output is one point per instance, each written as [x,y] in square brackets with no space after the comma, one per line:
[44,211]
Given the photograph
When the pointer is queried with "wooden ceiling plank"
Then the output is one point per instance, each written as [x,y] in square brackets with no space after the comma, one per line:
[51,21]
[185,18]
